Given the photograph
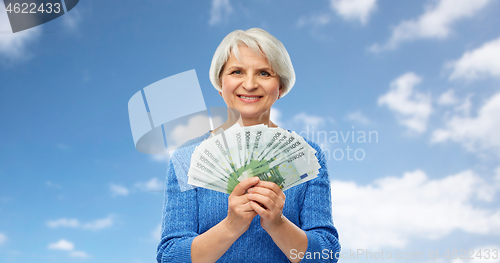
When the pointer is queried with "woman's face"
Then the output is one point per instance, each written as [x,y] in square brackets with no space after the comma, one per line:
[250,85]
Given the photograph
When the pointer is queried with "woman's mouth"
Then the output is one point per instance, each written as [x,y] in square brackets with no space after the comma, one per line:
[249,98]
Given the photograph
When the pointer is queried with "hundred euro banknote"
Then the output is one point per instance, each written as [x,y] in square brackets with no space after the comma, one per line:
[272,154]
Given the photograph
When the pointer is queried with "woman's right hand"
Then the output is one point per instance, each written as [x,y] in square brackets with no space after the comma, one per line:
[239,212]
[211,245]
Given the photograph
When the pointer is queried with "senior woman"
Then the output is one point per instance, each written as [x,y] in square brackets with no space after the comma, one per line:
[251,70]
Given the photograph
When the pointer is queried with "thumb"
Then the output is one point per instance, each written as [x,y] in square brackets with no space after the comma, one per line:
[241,188]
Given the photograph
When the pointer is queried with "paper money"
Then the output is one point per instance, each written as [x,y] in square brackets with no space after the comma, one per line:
[272,154]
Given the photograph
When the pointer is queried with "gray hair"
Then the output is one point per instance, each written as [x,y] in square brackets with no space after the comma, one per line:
[261,42]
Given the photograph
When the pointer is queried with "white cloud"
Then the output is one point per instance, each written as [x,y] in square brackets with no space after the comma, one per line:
[497,177]
[481,62]
[305,123]
[3,239]
[75,223]
[118,190]
[79,254]
[393,210]
[351,10]
[411,107]
[357,116]
[68,246]
[13,45]
[182,130]
[62,245]
[434,23]
[448,98]
[465,106]
[220,10]
[152,185]
[63,222]
[309,120]
[476,134]
[99,224]
[359,10]
[177,135]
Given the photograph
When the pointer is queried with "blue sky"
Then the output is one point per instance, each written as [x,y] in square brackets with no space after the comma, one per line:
[423,75]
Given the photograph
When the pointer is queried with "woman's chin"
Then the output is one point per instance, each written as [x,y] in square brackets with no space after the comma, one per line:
[252,116]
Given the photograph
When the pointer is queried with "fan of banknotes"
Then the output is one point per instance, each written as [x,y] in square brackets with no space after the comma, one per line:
[273,154]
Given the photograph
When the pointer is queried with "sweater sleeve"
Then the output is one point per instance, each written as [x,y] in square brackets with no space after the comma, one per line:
[179,221]
[316,217]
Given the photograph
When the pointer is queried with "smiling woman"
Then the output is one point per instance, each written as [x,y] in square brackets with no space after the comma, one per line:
[250,86]
[251,70]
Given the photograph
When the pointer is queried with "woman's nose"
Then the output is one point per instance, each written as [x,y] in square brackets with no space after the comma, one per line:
[250,83]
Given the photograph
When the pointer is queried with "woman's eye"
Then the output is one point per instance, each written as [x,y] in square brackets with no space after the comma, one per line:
[236,72]
[265,73]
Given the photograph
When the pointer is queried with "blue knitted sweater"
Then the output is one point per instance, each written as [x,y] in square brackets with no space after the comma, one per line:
[186,214]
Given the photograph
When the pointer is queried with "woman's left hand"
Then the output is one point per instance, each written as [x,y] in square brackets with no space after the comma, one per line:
[268,200]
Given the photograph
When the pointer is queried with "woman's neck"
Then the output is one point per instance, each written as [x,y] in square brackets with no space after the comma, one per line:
[234,117]
[251,122]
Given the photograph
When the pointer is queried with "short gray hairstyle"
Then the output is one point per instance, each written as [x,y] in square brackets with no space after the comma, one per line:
[261,42]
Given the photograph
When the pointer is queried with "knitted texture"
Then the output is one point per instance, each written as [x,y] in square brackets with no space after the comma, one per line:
[186,214]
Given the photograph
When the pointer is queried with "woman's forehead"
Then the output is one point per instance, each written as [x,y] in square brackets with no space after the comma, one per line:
[254,51]
[246,55]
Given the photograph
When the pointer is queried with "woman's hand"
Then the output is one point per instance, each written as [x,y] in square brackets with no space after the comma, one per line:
[240,213]
[268,200]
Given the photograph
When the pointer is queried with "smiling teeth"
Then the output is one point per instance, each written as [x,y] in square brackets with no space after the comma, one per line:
[250,98]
